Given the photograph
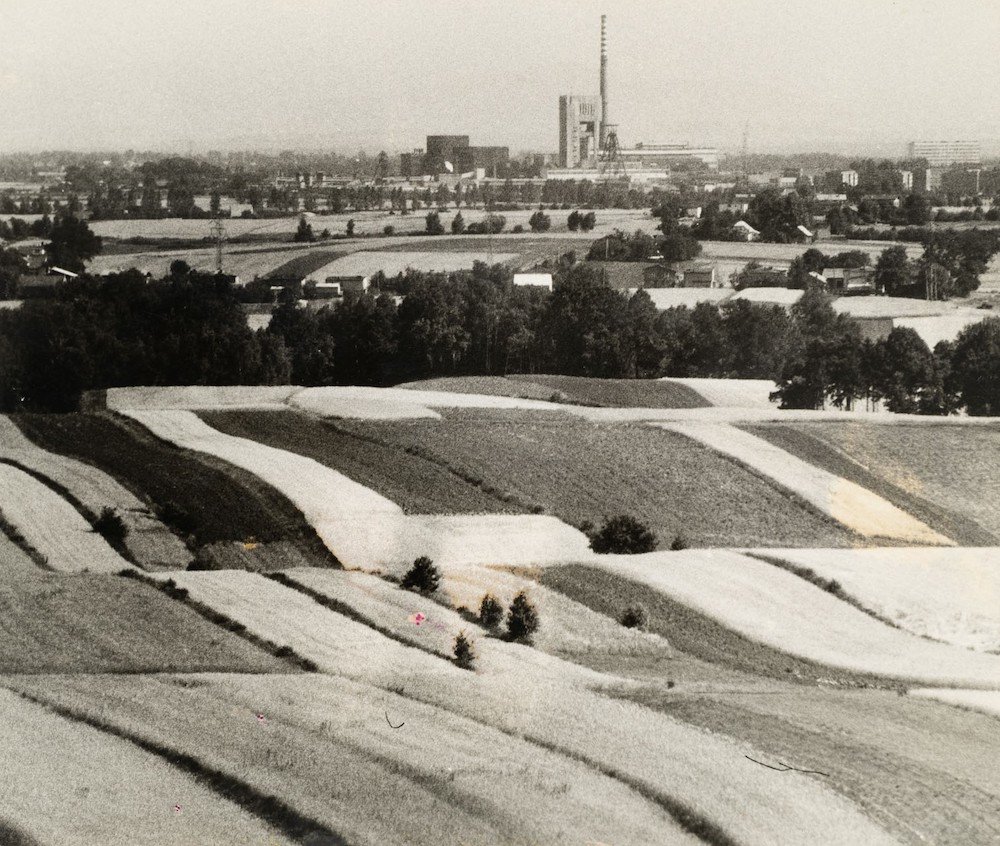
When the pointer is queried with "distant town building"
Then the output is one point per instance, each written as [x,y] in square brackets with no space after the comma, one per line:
[539,280]
[943,153]
[701,275]
[579,122]
[349,284]
[850,280]
[745,232]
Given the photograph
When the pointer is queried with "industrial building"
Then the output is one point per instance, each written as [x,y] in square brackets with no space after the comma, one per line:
[943,153]
[588,140]
[454,154]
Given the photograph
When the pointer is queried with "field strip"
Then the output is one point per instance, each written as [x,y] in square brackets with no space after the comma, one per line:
[855,507]
[364,529]
[985,701]
[948,594]
[547,701]
[105,789]
[320,493]
[53,527]
[323,747]
[148,540]
[731,393]
[772,606]
[14,561]
[199,396]
[391,542]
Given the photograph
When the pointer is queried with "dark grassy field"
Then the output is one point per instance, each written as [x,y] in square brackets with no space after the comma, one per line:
[304,265]
[808,442]
[417,484]
[207,500]
[580,471]
[53,623]
[620,393]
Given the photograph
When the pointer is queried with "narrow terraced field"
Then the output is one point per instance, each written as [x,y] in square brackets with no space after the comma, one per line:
[209,502]
[109,624]
[579,471]
[417,484]
[951,595]
[692,775]
[52,527]
[769,605]
[951,466]
[99,789]
[148,541]
[857,508]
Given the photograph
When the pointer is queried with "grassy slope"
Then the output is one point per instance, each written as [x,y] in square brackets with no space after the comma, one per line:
[824,445]
[303,265]
[580,471]
[621,393]
[418,485]
[107,624]
[613,393]
[221,502]
[950,466]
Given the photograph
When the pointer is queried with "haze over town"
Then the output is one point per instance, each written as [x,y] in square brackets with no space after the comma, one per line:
[853,76]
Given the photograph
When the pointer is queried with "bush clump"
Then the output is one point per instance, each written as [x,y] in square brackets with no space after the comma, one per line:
[522,618]
[465,654]
[110,526]
[422,577]
[635,617]
[678,543]
[623,535]
[490,612]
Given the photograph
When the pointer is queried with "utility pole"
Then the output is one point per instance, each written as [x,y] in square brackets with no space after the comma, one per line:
[220,233]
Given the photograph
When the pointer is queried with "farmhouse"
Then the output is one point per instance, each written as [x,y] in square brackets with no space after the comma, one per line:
[701,275]
[850,280]
[540,280]
[743,231]
[349,284]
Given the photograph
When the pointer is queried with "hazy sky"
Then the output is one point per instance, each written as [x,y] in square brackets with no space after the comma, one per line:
[200,74]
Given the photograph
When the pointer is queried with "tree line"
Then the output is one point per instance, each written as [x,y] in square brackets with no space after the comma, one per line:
[189,328]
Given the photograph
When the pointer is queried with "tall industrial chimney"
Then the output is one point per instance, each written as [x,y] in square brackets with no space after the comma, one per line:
[603,136]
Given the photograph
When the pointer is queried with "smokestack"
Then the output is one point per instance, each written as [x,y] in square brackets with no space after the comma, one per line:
[603,136]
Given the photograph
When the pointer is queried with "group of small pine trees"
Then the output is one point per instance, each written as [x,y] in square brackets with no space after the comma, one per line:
[522,616]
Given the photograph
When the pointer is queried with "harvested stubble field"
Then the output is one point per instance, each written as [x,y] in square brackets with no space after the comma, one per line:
[951,595]
[692,775]
[954,467]
[209,501]
[768,605]
[579,471]
[417,484]
[856,507]
[324,750]
[108,624]
[148,541]
[619,393]
[809,443]
[98,789]
[53,528]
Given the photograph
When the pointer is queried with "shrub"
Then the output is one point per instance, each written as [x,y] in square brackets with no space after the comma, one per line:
[433,221]
[678,543]
[522,618]
[465,655]
[624,535]
[110,526]
[540,222]
[490,611]
[635,617]
[458,224]
[388,229]
[176,517]
[518,229]
[423,576]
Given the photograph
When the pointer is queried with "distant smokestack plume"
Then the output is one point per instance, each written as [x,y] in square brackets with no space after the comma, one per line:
[605,121]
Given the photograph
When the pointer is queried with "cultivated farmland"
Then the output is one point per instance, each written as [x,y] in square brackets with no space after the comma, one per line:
[52,527]
[105,790]
[109,624]
[580,471]
[952,467]
[208,502]
[951,595]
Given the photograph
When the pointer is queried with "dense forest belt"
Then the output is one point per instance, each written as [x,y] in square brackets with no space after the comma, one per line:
[204,499]
[695,634]
[807,444]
